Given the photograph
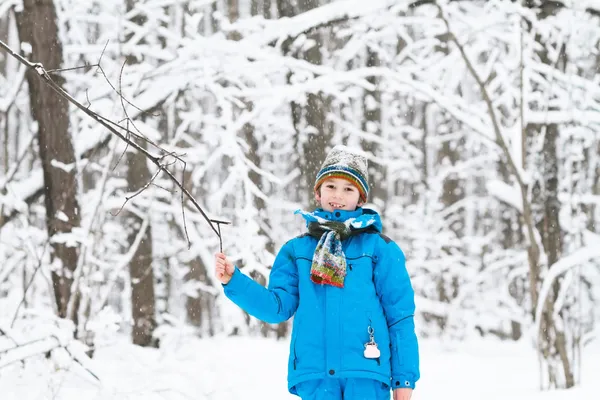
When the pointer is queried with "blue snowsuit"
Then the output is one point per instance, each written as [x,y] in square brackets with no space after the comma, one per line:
[330,326]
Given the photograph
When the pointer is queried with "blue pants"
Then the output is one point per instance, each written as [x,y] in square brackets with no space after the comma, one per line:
[343,389]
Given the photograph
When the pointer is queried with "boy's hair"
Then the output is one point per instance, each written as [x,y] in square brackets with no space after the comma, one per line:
[344,163]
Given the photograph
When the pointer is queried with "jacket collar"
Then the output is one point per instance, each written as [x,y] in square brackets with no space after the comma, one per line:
[359,218]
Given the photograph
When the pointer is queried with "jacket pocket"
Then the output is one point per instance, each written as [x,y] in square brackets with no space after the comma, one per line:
[359,277]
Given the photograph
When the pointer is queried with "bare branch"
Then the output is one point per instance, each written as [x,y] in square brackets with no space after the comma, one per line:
[43,74]
[127,198]
[13,171]
[36,347]
[533,247]
[499,136]
[112,280]
[39,191]
[52,71]
[37,268]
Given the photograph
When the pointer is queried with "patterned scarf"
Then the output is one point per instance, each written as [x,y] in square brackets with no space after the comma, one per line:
[329,261]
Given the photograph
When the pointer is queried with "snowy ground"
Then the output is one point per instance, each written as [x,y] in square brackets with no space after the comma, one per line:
[244,368]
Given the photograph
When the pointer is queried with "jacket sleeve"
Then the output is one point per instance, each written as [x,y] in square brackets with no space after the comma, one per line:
[397,297]
[275,303]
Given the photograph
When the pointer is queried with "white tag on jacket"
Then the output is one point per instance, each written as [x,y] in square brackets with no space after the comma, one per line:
[371,350]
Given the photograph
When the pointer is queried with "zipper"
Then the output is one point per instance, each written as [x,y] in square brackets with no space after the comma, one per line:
[295,354]
[363,256]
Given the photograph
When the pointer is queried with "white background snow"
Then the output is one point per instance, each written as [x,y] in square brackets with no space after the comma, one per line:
[225,368]
[195,73]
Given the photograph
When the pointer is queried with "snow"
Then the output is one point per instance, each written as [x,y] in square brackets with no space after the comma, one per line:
[281,29]
[210,89]
[508,194]
[578,258]
[224,368]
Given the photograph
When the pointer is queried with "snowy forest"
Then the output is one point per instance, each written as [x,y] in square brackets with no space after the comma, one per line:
[128,129]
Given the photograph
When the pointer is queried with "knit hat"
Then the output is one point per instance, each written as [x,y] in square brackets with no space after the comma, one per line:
[345,163]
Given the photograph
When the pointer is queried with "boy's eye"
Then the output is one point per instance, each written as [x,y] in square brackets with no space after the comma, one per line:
[350,189]
[329,186]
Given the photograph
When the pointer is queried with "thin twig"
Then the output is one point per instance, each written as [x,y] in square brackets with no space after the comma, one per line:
[45,77]
[101,55]
[76,359]
[137,193]
[51,71]
[124,151]
[15,167]
[87,97]
[218,222]
[128,102]
[83,251]
[163,188]
[37,268]
[183,210]
[4,333]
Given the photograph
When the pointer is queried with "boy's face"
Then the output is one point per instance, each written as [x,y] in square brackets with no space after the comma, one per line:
[338,194]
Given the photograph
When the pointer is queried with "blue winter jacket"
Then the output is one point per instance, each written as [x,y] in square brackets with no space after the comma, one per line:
[330,326]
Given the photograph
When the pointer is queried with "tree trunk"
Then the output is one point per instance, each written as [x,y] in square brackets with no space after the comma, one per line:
[552,339]
[37,26]
[512,237]
[248,133]
[453,191]
[199,307]
[140,267]
[371,125]
[285,8]
[315,134]
[264,226]
[556,361]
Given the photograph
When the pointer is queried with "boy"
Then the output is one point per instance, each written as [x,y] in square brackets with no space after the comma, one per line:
[353,334]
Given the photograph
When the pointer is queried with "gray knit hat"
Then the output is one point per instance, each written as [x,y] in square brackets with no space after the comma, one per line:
[345,163]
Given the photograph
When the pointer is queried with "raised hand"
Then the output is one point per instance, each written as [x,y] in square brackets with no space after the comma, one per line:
[223,268]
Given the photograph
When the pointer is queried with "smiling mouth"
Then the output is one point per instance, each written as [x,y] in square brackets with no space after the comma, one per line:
[335,205]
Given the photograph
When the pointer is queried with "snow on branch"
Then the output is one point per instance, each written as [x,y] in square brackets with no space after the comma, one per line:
[327,15]
[499,135]
[59,338]
[576,259]
[6,5]
[563,117]
[505,193]
[515,169]
[27,350]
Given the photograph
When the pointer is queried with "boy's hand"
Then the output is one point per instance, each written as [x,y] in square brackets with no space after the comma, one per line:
[223,268]
[402,394]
